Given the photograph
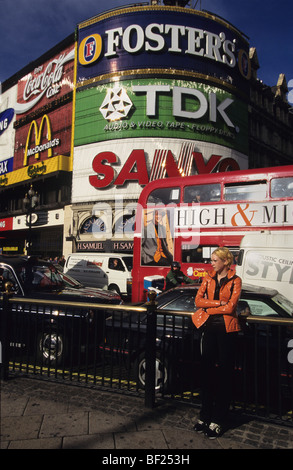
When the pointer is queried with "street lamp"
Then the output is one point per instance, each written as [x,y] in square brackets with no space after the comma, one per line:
[30,202]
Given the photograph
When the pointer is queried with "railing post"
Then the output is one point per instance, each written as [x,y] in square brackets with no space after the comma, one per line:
[150,354]
[5,332]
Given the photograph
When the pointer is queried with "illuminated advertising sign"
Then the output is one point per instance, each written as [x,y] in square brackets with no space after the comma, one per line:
[47,82]
[6,224]
[161,108]
[5,119]
[127,165]
[6,166]
[42,129]
[7,133]
[165,40]
[43,138]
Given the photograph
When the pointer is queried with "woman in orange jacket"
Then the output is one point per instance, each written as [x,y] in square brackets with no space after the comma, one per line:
[216,303]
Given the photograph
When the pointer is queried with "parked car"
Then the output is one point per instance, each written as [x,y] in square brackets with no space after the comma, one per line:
[178,341]
[52,330]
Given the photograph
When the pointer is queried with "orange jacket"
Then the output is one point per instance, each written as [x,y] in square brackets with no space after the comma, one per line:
[206,305]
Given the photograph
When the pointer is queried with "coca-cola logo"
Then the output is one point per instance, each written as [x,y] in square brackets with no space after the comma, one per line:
[47,83]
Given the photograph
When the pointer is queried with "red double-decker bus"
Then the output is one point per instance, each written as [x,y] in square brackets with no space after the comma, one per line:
[186,218]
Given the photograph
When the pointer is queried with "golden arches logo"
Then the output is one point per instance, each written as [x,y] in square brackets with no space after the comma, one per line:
[38,136]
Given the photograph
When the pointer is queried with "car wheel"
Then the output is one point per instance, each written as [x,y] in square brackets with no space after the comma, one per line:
[114,288]
[161,371]
[51,347]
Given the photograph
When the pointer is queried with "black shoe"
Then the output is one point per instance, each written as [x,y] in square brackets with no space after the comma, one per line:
[200,426]
[213,431]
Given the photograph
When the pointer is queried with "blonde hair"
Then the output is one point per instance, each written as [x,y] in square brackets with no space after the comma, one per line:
[224,254]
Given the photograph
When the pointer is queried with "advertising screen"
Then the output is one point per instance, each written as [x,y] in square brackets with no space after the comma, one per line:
[44,118]
[161,108]
[164,40]
[7,133]
[121,168]
[46,83]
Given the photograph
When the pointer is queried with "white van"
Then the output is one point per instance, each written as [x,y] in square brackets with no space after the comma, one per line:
[266,259]
[105,270]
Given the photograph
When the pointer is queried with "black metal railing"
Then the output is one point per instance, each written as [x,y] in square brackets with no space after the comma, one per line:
[143,351]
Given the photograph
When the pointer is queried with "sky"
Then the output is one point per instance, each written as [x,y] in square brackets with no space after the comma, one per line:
[29,28]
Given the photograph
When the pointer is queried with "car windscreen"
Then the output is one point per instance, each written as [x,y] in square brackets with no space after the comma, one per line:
[70,281]
[128,260]
[285,303]
[46,277]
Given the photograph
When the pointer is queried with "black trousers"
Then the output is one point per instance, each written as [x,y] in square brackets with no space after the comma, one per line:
[217,365]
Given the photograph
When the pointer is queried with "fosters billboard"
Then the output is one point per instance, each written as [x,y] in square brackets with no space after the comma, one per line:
[158,80]
[165,39]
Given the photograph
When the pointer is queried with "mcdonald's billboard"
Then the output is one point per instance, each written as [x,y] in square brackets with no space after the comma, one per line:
[44,137]
[43,109]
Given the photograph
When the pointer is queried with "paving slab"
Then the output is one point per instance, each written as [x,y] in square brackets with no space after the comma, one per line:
[91,441]
[38,414]
[100,422]
[141,440]
[37,444]
[13,405]
[71,424]
[20,427]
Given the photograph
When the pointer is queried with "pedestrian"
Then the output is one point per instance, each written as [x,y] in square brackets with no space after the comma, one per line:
[61,261]
[176,277]
[216,316]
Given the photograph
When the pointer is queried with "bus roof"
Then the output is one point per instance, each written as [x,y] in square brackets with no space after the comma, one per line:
[225,177]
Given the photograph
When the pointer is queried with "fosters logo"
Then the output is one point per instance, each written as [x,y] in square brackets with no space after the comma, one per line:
[90,49]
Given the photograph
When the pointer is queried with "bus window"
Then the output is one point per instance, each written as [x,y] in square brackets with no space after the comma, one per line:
[202,254]
[202,193]
[235,252]
[282,187]
[197,253]
[256,191]
[164,196]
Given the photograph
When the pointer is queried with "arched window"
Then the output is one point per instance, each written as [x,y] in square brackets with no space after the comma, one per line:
[92,225]
[125,224]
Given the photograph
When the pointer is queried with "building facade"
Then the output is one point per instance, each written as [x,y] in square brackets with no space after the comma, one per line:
[36,153]
[140,93]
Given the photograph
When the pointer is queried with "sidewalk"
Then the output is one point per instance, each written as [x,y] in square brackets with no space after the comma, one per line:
[45,415]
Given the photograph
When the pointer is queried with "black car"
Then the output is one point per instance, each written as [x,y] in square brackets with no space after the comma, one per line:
[49,326]
[262,349]
[258,301]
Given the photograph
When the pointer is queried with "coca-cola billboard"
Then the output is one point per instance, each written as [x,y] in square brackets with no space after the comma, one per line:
[44,114]
[46,82]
